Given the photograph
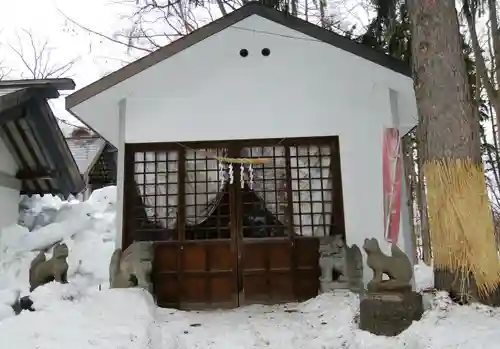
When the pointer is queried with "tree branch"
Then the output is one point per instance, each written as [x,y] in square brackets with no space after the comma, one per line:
[39,60]
[478,56]
[126,44]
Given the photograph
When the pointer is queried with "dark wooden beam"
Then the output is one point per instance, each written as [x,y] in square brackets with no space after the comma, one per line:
[59,84]
[10,114]
[39,116]
[31,175]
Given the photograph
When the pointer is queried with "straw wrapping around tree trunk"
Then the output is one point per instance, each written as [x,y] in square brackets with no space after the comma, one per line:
[461,222]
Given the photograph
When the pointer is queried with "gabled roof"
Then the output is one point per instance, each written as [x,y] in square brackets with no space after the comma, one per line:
[86,151]
[32,135]
[253,8]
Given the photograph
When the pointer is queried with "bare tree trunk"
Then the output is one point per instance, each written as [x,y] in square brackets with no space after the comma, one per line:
[409,169]
[322,13]
[451,151]
[422,203]
[482,70]
[494,32]
[295,10]
[221,7]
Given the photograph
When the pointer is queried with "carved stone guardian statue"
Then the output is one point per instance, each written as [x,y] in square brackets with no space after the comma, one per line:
[43,271]
[332,261]
[390,306]
[397,267]
[132,267]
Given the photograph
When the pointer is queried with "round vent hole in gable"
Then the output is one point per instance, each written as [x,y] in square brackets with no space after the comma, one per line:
[243,52]
[266,52]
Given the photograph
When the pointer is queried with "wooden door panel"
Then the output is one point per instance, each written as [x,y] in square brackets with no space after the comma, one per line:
[165,274]
[193,288]
[166,291]
[209,274]
[199,274]
[267,272]
[307,270]
[282,287]
[222,289]
[194,258]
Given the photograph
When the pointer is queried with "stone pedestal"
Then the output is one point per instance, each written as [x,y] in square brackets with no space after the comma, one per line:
[389,313]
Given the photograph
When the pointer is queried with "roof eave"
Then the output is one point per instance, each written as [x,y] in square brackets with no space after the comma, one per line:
[69,179]
[59,83]
[76,116]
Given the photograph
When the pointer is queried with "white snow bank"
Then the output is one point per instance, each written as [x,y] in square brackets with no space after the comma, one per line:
[424,276]
[323,322]
[37,211]
[449,325]
[107,319]
[88,228]
[328,321]
[80,315]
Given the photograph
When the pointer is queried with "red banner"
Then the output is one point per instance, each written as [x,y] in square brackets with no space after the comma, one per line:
[392,168]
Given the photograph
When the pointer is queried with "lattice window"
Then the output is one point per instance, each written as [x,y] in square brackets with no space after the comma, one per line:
[103,172]
[303,181]
[265,211]
[156,176]
[311,181]
[206,195]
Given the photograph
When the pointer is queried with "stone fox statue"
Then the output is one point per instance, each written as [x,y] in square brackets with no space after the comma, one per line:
[118,278]
[43,271]
[132,267]
[397,266]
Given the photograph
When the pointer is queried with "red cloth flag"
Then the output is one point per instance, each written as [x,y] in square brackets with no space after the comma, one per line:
[392,168]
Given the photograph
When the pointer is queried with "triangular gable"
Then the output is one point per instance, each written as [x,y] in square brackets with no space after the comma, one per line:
[86,151]
[253,8]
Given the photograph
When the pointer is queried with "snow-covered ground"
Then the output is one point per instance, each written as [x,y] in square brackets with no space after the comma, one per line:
[86,314]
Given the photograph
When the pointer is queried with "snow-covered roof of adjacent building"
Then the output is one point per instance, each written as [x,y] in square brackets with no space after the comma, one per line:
[86,151]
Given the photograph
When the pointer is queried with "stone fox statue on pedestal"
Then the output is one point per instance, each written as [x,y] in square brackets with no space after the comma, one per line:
[132,267]
[397,267]
[43,271]
[118,278]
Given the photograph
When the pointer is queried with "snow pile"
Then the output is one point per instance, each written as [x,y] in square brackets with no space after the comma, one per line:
[328,321]
[449,325]
[424,276]
[38,211]
[85,314]
[88,228]
[106,319]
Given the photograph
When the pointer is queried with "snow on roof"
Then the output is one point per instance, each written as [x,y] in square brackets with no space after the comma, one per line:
[85,151]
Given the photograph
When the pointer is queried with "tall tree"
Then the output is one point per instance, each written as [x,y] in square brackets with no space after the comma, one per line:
[389,31]
[461,223]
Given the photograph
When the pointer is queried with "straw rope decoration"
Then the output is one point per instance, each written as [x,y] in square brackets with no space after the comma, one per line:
[227,174]
[461,227]
[244,161]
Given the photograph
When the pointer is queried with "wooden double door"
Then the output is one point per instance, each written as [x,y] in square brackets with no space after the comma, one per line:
[245,250]
[244,264]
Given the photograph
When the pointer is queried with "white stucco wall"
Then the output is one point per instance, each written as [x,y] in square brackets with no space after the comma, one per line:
[9,188]
[304,88]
